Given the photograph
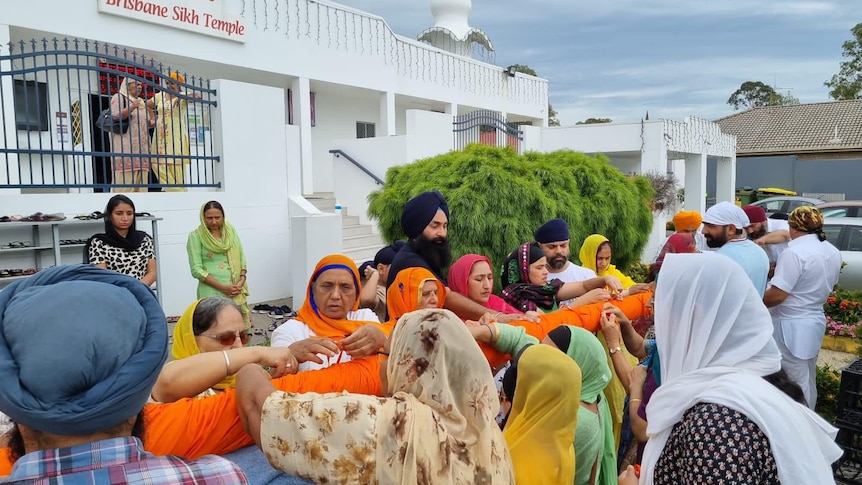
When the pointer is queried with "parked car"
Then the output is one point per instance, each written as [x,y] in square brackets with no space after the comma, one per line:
[841,208]
[845,233]
[785,203]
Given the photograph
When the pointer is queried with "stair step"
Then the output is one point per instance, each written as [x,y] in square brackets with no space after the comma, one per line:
[321,195]
[364,240]
[362,254]
[323,205]
[349,220]
[356,230]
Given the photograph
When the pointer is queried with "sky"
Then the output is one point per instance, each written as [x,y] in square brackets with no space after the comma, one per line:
[620,59]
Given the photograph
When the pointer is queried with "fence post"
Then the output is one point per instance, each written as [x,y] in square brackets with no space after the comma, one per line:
[8,130]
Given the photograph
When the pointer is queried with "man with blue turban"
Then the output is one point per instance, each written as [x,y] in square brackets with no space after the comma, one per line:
[80,350]
[425,221]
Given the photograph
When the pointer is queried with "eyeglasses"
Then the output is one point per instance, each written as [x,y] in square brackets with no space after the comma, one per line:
[228,338]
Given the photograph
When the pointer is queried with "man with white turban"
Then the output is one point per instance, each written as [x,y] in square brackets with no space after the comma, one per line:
[724,228]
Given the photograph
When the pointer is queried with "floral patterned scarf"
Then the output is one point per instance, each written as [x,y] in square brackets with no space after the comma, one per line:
[517,289]
[438,426]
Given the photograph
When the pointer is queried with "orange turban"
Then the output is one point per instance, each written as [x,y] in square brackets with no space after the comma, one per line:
[177,76]
[687,220]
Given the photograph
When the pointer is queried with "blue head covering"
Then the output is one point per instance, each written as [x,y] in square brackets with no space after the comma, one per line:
[419,211]
[552,231]
[80,349]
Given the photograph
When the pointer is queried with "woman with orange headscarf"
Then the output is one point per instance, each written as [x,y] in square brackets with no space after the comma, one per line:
[171,135]
[330,328]
[414,289]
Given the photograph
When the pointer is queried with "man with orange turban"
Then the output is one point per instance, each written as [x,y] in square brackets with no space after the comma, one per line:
[687,222]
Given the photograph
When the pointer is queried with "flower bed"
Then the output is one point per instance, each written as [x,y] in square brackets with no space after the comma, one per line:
[843,321]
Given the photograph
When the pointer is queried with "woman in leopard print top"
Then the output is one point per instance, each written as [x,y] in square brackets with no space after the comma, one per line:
[122,248]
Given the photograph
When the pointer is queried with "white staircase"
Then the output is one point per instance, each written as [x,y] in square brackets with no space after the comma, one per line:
[359,241]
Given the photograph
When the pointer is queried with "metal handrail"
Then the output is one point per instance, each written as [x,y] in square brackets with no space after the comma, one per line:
[340,153]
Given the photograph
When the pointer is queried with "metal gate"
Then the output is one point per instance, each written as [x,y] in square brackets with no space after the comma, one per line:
[55,91]
[488,128]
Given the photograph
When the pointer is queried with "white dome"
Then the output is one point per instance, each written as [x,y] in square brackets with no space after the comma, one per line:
[453,15]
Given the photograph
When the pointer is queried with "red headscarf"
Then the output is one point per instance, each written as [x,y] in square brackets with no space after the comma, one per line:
[405,292]
[459,279]
[320,324]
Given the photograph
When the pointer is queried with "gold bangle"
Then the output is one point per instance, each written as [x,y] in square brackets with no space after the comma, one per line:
[226,363]
[634,400]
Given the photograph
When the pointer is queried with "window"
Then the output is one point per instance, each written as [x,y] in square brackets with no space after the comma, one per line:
[834,212]
[364,129]
[31,105]
[774,206]
[854,242]
[833,235]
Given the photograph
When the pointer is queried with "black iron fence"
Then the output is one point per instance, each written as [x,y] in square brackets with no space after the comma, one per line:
[154,131]
[488,128]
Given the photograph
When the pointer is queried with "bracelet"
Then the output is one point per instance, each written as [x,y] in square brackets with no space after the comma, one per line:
[490,331]
[226,362]
[614,350]
[634,400]
[497,315]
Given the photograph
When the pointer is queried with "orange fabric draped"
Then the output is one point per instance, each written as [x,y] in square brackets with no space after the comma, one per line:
[587,317]
[193,427]
[406,290]
[320,324]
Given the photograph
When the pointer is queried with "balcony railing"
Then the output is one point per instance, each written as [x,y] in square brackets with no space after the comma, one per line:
[351,31]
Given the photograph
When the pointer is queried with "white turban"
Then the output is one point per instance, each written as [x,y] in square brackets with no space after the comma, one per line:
[725,214]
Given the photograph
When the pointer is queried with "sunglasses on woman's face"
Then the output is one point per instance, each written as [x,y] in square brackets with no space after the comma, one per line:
[228,338]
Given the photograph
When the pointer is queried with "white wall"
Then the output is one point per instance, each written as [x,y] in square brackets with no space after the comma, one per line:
[337,114]
[254,197]
[428,134]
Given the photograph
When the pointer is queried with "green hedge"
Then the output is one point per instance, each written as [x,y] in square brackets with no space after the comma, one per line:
[497,198]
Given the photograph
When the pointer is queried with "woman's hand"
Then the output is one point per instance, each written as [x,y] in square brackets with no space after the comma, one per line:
[594,296]
[610,329]
[637,288]
[530,316]
[307,350]
[620,316]
[639,373]
[280,360]
[628,476]
[365,341]
[614,285]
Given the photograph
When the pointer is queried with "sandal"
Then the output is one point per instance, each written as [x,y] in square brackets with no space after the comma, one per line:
[143,214]
[4,273]
[29,271]
[16,272]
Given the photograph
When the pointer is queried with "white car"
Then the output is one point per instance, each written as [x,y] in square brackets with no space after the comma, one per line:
[845,233]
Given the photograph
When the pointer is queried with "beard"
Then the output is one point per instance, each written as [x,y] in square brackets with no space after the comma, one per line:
[557,262]
[715,241]
[435,251]
[759,233]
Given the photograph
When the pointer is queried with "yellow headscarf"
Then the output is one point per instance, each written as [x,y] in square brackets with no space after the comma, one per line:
[540,430]
[185,344]
[589,249]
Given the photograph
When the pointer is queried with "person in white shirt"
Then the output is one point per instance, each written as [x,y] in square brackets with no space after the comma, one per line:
[330,328]
[724,228]
[805,275]
[770,234]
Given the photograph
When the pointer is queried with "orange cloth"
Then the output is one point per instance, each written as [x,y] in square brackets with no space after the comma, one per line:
[321,325]
[687,220]
[587,317]
[405,292]
[191,428]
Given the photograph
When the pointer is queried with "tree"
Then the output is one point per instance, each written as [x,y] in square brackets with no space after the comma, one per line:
[752,94]
[847,84]
[594,121]
[497,198]
[552,113]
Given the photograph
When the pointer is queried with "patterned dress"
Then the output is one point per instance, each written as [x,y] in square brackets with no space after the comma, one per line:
[714,444]
[132,263]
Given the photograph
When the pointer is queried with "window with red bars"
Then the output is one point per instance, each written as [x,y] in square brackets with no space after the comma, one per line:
[111,76]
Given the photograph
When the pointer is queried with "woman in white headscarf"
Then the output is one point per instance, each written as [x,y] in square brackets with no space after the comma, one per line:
[715,417]
[129,166]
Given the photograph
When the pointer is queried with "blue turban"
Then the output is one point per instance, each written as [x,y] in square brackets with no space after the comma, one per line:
[80,349]
[420,210]
[552,231]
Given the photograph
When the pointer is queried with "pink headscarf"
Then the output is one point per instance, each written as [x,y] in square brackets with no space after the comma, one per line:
[459,277]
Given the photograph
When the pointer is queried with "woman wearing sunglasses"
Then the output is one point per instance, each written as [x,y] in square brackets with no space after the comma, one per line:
[209,349]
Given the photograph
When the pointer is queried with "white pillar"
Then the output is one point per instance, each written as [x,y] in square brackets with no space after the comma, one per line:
[725,179]
[9,172]
[695,182]
[301,89]
[387,114]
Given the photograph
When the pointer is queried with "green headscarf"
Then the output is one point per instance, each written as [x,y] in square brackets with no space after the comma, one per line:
[228,245]
[586,350]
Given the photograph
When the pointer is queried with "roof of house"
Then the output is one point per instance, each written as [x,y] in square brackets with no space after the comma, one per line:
[799,128]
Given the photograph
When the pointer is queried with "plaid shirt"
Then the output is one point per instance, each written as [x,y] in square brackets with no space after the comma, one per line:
[119,460]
